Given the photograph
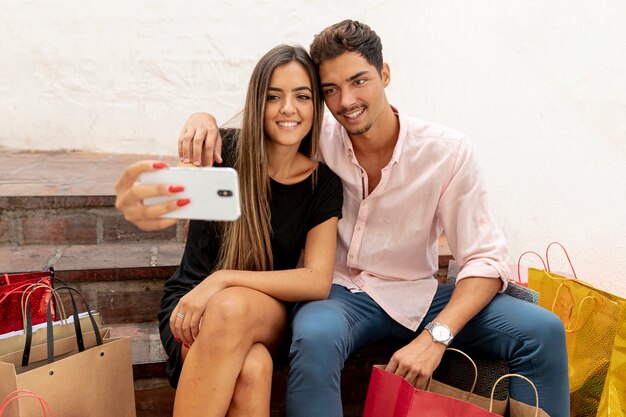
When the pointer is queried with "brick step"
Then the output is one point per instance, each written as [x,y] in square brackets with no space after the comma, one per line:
[124,282]
[153,395]
[71,220]
[66,198]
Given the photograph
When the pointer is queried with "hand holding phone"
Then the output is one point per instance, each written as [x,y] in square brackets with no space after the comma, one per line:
[213,192]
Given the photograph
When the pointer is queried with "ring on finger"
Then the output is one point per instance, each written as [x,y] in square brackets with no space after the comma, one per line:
[180,316]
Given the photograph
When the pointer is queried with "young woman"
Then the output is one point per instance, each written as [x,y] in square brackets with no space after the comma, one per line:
[227,305]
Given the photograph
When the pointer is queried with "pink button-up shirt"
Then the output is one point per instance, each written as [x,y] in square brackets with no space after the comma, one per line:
[387,240]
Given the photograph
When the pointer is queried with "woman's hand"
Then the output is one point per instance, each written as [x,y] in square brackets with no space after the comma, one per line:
[200,142]
[187,315]
[130,196]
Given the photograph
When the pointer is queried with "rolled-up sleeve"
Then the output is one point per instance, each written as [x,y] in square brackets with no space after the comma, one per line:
[475,240]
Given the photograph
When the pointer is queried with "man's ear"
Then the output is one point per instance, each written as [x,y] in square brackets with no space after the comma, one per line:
[385,74]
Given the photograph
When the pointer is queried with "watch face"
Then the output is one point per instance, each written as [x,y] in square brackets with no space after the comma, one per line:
[440,333]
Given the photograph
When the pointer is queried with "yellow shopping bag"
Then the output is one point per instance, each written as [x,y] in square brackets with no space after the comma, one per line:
[595,326]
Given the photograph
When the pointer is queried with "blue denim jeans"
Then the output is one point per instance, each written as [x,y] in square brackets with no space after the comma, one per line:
[326,332]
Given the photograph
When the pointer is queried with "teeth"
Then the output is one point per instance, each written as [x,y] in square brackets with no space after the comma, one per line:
[288,124]
[354,115]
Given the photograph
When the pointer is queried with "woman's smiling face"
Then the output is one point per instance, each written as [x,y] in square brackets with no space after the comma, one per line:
[289,107]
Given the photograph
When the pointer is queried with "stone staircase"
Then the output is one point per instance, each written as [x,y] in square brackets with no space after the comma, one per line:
[57,209]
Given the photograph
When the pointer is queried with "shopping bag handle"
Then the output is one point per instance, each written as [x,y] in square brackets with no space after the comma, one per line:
[23,287]
[566,255]
[50,331]
[473,365]
[79,332]
[40,283]
[26,301]
[519,263]
[28,327]
[7,277]
[23,393]
[14,290]
[575,328]
[503,377]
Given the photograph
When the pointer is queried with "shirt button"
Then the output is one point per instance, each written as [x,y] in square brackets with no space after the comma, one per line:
[358,228]
[351,256]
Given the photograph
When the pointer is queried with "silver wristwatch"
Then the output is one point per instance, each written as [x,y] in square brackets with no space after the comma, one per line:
[440,333]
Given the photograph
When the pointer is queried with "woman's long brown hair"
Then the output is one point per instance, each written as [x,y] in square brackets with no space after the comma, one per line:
[246,243]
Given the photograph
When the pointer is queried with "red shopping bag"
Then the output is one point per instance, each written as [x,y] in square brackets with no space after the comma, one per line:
[12,287]
[390,395]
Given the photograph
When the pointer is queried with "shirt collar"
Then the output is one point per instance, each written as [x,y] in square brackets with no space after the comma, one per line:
[397,151]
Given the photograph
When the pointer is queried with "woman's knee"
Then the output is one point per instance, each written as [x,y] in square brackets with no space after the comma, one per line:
[230,307]
[238,317]
[257,367]
[227,316]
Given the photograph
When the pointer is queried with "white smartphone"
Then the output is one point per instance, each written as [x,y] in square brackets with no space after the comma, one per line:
[214,192]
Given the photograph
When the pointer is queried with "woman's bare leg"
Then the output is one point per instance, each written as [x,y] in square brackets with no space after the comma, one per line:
[234,320]
[254,385]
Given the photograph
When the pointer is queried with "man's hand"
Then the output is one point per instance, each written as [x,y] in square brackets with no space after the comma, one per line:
[200,142]
[417,361]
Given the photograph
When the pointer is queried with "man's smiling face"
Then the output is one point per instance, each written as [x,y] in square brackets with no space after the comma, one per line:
[354,91]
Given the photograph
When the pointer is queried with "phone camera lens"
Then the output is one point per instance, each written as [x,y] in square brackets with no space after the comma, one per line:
[224,193]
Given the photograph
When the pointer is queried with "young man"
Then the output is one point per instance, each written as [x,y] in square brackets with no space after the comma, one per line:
[405,182]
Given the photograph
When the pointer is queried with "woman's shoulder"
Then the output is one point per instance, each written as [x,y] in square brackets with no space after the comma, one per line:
[325,174]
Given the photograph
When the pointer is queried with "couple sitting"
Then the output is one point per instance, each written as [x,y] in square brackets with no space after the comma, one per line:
[398,182]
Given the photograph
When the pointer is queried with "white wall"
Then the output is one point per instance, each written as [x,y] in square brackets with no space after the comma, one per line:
[540,88]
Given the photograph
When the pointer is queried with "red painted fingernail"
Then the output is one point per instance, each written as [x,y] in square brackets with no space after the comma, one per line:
[177,339]
[176,188]
[187,345]
[183,202]
[159,165]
